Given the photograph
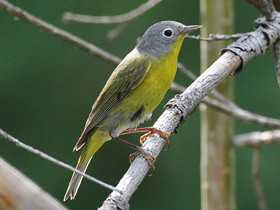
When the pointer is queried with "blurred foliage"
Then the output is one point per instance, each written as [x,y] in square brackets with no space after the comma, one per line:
[47,88]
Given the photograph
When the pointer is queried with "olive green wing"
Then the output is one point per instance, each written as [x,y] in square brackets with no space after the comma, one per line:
[126,77]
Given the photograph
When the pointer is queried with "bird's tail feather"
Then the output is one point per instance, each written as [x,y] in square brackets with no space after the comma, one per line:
[84,160]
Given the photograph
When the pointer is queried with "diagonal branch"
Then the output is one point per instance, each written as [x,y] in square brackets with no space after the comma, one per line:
[10,139]
[67,17]
[59,33]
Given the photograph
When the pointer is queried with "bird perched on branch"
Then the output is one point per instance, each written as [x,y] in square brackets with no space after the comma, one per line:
[133,91]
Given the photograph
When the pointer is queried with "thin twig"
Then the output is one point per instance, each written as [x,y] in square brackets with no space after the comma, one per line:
[267,9]
[257,178]
[10,139]
[257,139]
[61,34]
[216,37]
[111,35]
[276,53]
[67,17]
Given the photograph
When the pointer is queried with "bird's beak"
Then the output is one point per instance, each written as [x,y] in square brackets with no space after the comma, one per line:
[188,29]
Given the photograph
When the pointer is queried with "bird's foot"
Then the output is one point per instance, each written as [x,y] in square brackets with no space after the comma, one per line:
[149,158]
[152,131]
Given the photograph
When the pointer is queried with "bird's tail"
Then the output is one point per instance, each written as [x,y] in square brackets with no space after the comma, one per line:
[88,151]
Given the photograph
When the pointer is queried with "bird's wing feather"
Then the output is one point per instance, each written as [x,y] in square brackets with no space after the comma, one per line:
[126,77]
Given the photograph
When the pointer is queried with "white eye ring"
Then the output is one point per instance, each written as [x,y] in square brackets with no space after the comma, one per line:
[167,32]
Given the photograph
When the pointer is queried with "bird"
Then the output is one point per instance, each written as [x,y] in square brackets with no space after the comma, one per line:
[134,89]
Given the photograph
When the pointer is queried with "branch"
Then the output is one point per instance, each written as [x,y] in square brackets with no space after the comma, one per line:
[256,43]
[276,54]
[267,9]
[242,114]
[67,17]
[216,37]
[61,34]
[257,178]
[10,139]
[18,192]
[257,139]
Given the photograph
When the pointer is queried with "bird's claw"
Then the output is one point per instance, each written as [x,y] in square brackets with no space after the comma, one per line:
[149,158]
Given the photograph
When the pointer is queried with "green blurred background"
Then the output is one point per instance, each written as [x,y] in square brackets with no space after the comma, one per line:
[47,88]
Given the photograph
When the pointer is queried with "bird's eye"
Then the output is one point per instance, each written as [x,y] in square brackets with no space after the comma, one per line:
[167,32]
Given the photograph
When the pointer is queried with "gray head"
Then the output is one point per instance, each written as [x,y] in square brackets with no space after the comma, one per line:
[160,38]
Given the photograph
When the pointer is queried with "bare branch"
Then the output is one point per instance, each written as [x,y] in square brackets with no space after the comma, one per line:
[267,9]
[10,139]
[216,37]
[61,34]
[257,178]
[243,115]
[276,53]
[257,139]
[67,17]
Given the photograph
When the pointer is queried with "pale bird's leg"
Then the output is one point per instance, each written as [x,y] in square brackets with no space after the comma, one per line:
[151,131]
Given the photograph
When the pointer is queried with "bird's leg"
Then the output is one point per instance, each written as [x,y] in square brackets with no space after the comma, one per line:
[151,131]
[149,158]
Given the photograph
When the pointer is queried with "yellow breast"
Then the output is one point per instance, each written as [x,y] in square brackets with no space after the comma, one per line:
[157,81]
